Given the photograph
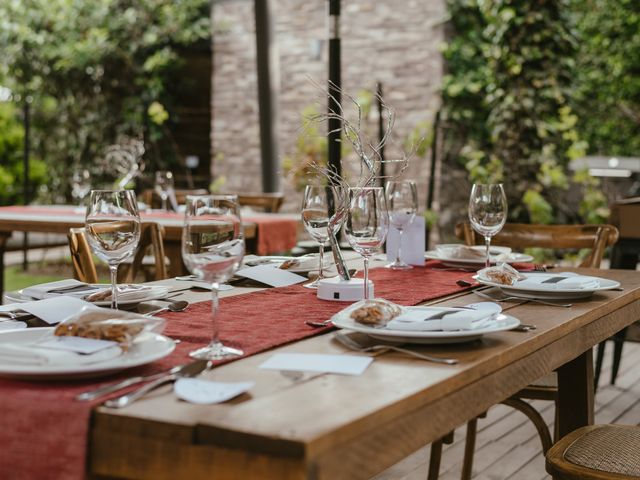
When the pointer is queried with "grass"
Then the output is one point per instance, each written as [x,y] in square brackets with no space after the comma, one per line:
[15,278]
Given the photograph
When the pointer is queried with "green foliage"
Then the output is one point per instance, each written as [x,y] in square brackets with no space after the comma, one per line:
[96,70]
[507,103]
[11,158]
[607,76]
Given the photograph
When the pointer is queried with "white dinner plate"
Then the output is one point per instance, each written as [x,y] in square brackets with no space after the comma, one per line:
[147,347]
[496,251]
[502,322]
[556,293]
[151,292]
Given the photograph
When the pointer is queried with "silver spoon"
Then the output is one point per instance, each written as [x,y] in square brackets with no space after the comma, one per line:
[349,342]
[178,306]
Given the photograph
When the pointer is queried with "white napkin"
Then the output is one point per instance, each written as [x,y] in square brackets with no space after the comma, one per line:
[69,287]
[418,320]
[32,354]
[572,282]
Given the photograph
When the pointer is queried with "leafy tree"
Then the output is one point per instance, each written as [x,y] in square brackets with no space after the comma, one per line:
[95,70]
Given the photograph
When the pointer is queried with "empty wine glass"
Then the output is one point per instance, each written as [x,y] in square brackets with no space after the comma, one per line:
[112,224]
[367,224]
[317,205]
[80,185]
[402,200]
[164,186]
[212,249]
[487,212]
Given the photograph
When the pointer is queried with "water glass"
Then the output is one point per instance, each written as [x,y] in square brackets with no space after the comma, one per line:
[318,204]
[402,200]
[367,224]
[212,249]
[112,225]
[487,212]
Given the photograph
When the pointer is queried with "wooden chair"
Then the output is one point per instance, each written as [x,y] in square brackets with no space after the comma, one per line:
[151,197]
[596,238]
[267,202]
[596,452]
[84,268]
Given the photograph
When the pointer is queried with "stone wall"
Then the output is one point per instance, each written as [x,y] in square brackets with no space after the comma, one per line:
[392,42]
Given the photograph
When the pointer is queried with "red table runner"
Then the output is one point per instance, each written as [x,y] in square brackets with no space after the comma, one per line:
[44,431]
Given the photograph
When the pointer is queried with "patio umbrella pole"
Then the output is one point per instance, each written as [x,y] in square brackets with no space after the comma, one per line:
[380,130]
[335,84]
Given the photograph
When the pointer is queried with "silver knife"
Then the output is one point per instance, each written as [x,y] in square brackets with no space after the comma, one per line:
[190,370]
[127,382]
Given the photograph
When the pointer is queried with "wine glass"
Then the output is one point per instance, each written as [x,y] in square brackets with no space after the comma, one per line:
[402,199]
[164,186]
[318,204]
[487,212]
[112,225]
[367,224]
[212,249]
[80,185]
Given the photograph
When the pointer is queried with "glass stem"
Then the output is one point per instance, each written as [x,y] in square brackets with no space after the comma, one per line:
[366,278]
[215,327]
[398,261]
[321,262]
[164,203]
[113,273]
[487,241]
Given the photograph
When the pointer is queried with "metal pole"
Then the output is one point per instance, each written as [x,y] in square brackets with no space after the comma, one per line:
[267,68]
[335,82]
[435,147]
[380,131]
[26,186]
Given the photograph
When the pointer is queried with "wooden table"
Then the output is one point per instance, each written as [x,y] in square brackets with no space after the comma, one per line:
[334,427]
[62,218]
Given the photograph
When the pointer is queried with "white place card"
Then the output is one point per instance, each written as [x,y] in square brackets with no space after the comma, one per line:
[270,275]
[51,310]
[413,242]
[206,392]
[315,362]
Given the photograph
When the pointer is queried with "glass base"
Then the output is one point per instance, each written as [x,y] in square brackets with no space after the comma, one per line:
[314,284]
[399,266]
[215,351]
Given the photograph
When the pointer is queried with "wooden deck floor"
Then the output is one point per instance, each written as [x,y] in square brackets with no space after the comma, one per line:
[507,445]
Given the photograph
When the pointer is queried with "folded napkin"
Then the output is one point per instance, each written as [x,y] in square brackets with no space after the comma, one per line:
[74,288]
[63,287]
[32,354]
[427,321]
[559,281]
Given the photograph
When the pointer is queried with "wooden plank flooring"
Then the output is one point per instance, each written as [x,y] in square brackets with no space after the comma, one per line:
[507,445]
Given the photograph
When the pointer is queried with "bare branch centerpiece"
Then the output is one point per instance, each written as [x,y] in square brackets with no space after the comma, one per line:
[360,202]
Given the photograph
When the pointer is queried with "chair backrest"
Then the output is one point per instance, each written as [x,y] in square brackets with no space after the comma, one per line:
[268,202]
[151,197]
[519,236]
[84,268]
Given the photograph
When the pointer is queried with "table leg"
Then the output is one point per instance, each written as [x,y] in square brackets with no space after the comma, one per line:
[4,236]
[575,393]
[173,251]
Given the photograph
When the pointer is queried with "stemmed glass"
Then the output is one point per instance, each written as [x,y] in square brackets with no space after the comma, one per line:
[112,225]
[402,199]
[164,186]
[317,205]
[367,224]
[487,212]
[212,249]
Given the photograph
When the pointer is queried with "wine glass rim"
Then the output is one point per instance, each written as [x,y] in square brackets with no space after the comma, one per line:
[488,184]
[215,196]
[112,191]
[365,188]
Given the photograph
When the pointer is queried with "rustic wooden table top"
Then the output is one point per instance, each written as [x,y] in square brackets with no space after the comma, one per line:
[330,426]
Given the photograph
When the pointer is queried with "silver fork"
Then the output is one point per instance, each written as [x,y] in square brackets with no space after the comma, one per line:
[514,297]
[349,342]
